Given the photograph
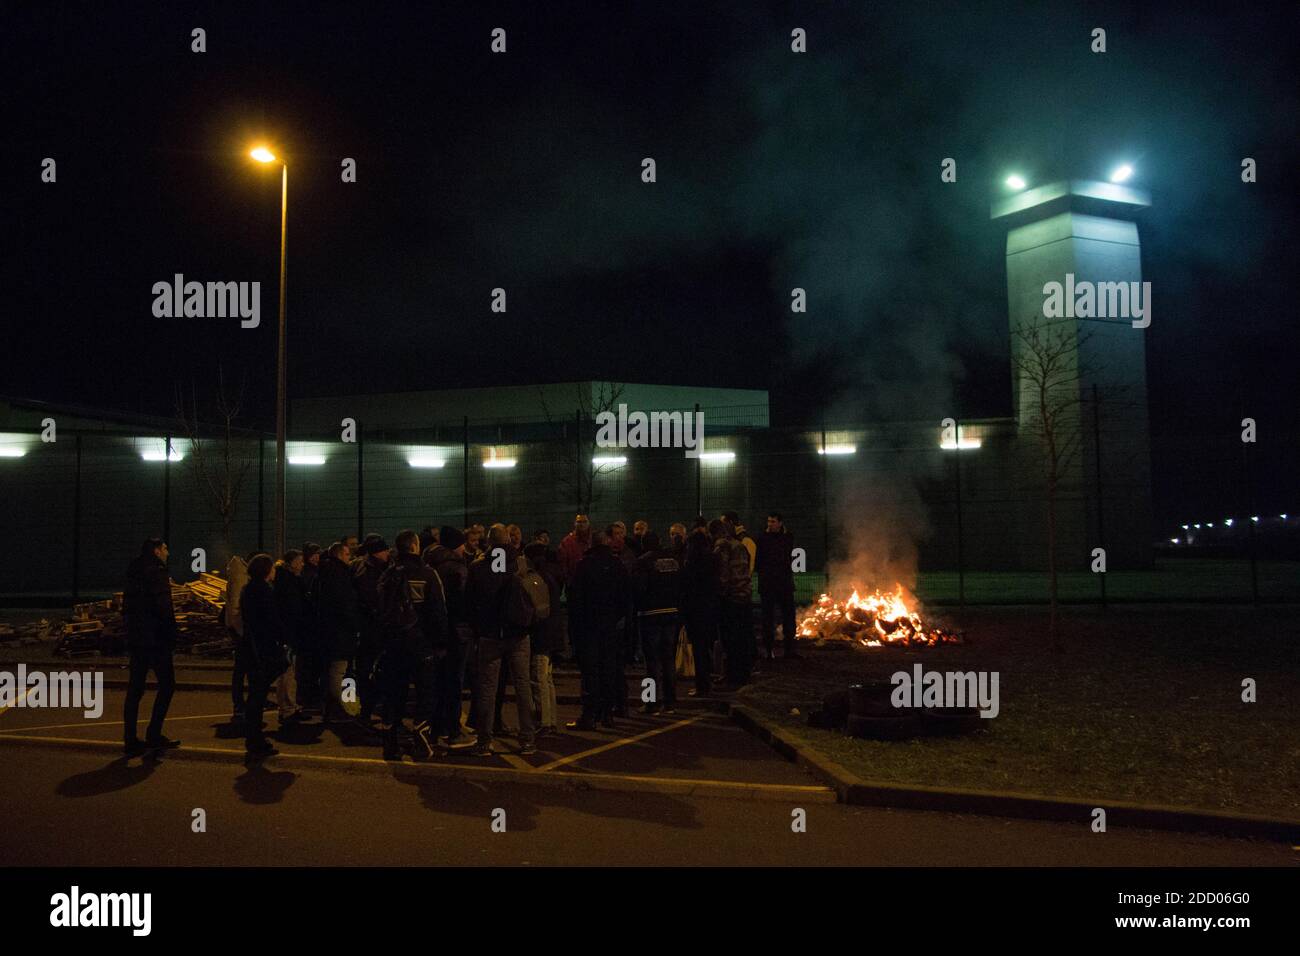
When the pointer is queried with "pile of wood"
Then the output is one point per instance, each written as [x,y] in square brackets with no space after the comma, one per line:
[27,632]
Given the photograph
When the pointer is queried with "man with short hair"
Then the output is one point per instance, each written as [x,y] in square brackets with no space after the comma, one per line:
[658,598]
[340,622]
[492,578]
[776,585]
[735,623]
[601,588]
[150,640]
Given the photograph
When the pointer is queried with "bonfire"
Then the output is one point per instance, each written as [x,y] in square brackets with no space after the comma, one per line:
[872,620]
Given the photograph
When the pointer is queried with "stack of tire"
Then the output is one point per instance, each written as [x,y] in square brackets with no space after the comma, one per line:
[873,716]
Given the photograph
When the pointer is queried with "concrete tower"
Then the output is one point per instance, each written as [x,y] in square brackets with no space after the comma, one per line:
[1082,235]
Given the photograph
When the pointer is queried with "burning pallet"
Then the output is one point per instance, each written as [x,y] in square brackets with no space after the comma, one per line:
[871,620]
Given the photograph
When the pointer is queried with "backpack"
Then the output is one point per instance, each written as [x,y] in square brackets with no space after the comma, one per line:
[398,598]
[527,599]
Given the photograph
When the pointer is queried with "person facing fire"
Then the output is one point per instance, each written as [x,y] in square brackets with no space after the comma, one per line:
[774,566]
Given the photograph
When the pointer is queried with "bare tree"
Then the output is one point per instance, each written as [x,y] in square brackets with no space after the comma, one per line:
[218,465]
[1047,366]
[579,454]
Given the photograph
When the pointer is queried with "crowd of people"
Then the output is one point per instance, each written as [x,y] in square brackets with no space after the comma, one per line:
[346,631]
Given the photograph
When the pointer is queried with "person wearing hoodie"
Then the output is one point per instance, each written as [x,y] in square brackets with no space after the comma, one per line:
[291,603]
[776,585]
[658,598]
[602,589]
[735,621]
[340,620]
[545,639]
[236,578]
[150,640]
[489,590]
[445,558]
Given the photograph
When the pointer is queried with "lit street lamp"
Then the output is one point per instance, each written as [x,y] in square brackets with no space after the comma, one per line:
[264,155]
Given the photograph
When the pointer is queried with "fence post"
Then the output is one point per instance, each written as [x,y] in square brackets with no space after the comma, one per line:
[1101,527]
[76,523]
[826,514]
[167,489]
[261,478]
[699,486]
[961,532]
[580,504]
[464,487]
[361,482]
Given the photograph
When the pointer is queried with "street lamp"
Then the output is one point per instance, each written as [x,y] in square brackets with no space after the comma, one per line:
[1015,182]
[1122,174]
[265,156]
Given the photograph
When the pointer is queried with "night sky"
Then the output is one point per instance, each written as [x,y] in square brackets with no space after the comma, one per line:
[523,171]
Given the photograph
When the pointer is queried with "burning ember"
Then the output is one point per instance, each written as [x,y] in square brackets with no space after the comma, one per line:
[871,620]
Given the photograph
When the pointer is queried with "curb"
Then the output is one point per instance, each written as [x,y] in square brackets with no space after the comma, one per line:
[561,780]
[852,789]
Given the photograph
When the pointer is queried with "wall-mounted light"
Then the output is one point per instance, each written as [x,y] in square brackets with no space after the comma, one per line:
[966,444]
[719,457]
[611,460]
[155,449]
[1121,173]
[425,461]
[306,459]
[1015,182]
[838,450]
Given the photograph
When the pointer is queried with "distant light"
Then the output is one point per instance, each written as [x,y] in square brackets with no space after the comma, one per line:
[425,462]
[966,444]
[306,459]
[263,155]
[1283,517]
[1255,518]
[838,450]
[1186,527]
[1209,524]
[1228,522]
[499,463]
[1121,173]
[1173,540]
[609,460]
[719,456]
[158,452]
[1197,527]
[1015,182]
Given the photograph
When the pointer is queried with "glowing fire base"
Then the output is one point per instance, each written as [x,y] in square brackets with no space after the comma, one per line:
[873,620]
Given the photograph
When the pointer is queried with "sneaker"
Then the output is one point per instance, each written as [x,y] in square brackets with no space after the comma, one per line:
[161,743]
[481,750]
[527,750]
[423,732]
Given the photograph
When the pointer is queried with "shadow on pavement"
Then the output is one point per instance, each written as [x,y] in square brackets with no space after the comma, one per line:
[110,778]
[261,786]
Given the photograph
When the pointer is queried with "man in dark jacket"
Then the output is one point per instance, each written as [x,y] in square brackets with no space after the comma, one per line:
[365,576]
[493,581]
[602,591]
[658,598]
[545,638]
[264,649]
[699,590]
[336,600]
[311,670]
[150,640]
[452,570]
[415,637]
[774,566]
[291,602]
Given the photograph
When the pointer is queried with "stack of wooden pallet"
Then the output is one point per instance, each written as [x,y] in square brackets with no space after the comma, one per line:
[80,637]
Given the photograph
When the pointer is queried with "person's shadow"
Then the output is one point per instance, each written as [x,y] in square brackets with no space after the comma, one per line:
[261,786]
[114,776]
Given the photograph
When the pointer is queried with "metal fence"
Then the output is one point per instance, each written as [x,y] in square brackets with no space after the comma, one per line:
[966,509]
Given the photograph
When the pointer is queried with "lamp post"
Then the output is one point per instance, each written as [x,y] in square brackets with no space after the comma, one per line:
[264,155]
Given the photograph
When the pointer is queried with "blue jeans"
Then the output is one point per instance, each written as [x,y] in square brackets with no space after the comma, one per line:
[490,652]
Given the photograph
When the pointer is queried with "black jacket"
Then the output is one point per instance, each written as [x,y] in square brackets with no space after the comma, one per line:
[147,605]
[291,601]
[602,591]
[699,582]
[336,601]
[658,587]
[485,592]
[263,632]
[432,631]
[775,577]
[365,577]
[452,571]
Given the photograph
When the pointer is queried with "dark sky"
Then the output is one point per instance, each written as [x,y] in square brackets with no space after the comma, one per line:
[522,171]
